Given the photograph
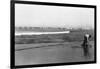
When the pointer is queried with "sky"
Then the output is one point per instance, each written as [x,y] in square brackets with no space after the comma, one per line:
[53,16]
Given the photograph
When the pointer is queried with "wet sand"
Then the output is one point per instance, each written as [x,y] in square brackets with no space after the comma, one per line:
[31,54]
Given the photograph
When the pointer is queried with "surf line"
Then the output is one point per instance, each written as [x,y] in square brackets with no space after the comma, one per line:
[40,33]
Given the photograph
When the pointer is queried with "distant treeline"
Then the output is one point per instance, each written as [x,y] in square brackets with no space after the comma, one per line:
[40,29]
[45,29]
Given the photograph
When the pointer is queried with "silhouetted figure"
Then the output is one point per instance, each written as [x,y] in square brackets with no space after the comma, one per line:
[85,45]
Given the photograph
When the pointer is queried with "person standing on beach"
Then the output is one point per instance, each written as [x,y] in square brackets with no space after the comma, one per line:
[85,45]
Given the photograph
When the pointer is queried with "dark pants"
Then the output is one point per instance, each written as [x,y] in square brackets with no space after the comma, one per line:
[86,50]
